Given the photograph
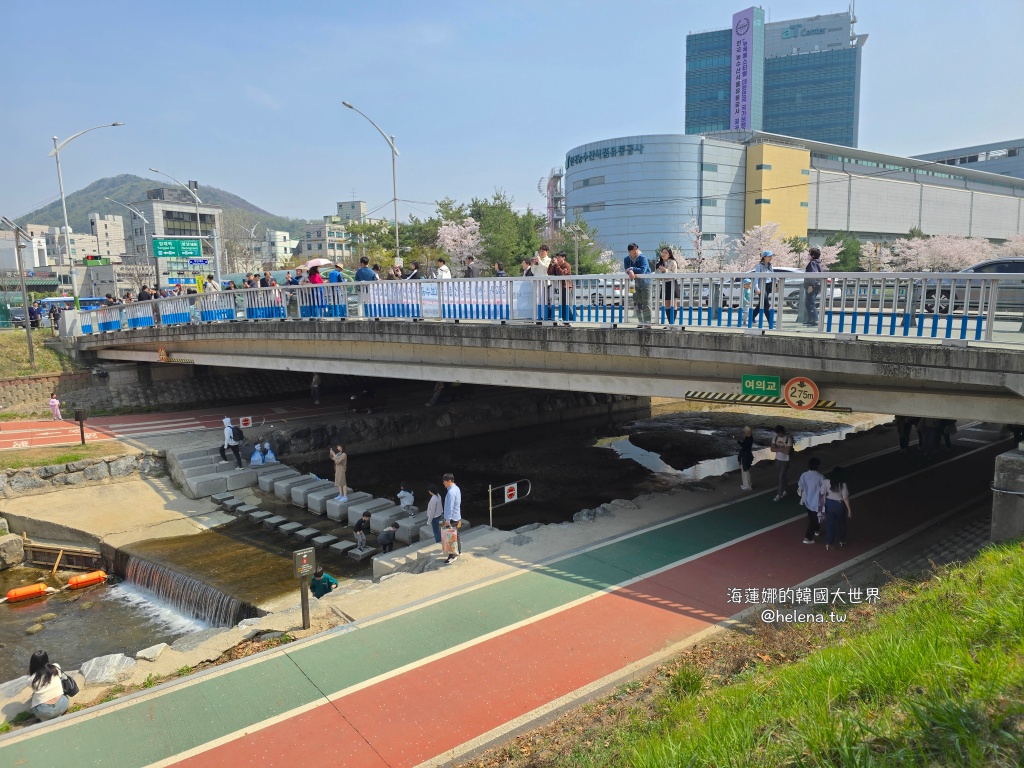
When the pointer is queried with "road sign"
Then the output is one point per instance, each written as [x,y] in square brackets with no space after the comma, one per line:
[167,248]
[192,262]
[755,384]
[801,393]
[245,421]
[511,492]
[161,354]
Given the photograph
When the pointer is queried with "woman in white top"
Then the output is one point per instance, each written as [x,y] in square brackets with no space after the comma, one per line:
[435,511]
[48,699]
[667,263]
[782,447]
[837,508]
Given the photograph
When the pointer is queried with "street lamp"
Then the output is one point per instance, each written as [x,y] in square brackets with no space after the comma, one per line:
[577,231]
[18,234]
[394,178]
[199,226]
[55,152]
[145,241]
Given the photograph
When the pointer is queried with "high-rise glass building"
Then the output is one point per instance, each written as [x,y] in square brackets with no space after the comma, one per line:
[795,78]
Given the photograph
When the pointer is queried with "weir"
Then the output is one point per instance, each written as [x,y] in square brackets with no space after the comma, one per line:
[186,593]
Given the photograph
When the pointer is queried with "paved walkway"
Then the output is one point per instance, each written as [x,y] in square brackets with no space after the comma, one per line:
[429,682]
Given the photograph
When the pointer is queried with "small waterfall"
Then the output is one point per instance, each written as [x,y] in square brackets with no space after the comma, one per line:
[186,593]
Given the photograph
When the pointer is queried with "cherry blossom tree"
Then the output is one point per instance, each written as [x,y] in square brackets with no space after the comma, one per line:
[460,240]
[746,252]
[941,253]
[829,254]
[1012,247]
[707,255]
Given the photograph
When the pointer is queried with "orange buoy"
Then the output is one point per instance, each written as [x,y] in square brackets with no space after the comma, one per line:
[86,579]
[26,593]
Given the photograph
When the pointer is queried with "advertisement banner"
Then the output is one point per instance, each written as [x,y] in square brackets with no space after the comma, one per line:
[742,70]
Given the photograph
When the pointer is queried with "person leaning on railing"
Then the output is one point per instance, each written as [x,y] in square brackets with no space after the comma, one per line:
[635,263]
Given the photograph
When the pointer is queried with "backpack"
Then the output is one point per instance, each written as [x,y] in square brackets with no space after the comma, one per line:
[237,433]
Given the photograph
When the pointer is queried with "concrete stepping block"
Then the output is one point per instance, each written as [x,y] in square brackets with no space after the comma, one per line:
[206,485]
[246,509]
[289,527]
[259,515]
[268,469]
[341,547]
[199,461]
[306,534]
[232,505]
[355,511]
[239,478]
[267,480]
[300,493]
[338,510]
[365,553]
[383,518]
[409,527]
[316,501]
[283,487]
[195,453]
[220,498]
[324,540]
[274,521]
[427,533]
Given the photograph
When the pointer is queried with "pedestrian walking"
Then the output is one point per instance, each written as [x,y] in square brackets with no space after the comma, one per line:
[435,511]
[340,459]
[837,508]
[472,268]
[452,510]
[386,539]
[415,274]
[499,270]
[527,266]
[55,407]
[763,288]
[47,682]
[562,269]
[322,583]
[782,447]
[810,488]
[746,458]
[232,439]
[314,389]
[210,285]
[360,529]
[442,273]
[635,264]
[947,428]
[813,289]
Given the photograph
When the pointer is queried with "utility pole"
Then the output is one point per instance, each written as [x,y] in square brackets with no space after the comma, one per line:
[18,232]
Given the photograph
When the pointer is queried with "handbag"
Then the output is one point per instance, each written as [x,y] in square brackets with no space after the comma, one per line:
[68,684]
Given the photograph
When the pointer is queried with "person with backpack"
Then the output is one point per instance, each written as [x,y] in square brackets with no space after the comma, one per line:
[233,437]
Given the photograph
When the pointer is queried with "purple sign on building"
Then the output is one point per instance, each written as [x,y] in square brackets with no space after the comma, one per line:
[742,51]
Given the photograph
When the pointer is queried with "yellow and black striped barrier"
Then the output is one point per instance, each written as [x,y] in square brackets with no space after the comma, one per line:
[727,398]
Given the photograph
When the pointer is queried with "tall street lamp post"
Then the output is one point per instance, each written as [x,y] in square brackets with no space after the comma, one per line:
[18,234]
[576,232]
[199,226]
[394,177]
[55,152]
[145,241]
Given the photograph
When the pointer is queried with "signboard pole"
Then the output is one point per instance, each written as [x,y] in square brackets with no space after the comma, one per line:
[216,256]
[304,586]
[304,561]
[490,507]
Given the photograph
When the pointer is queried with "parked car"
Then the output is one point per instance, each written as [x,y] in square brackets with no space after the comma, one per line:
[599,291]
[942,296]
[793,287]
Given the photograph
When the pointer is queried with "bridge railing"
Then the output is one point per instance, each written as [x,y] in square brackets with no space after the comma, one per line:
[967,307]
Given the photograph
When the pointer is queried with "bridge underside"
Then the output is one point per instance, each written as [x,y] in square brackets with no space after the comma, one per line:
[914,379]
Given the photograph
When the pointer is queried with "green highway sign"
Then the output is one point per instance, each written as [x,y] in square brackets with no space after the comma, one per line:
[167,248]
[754,384]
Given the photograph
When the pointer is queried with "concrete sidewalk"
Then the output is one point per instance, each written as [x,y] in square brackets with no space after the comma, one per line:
[504,651]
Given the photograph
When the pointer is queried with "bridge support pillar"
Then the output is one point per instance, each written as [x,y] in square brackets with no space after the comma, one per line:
[1008,496]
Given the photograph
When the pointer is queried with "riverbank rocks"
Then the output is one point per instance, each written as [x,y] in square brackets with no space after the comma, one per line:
[12,550]
[4,529]
[34,480]
[34,629]
[152,653]
[107,669]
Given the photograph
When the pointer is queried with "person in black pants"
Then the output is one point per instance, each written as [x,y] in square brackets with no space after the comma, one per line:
[810,490]
[230,442]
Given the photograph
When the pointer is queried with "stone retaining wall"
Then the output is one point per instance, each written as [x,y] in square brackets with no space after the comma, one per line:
[107,469]
[34,391]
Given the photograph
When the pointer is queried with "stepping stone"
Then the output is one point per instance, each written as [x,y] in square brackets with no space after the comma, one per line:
[300,493]
[239,478]
[316,501]
[233,504]
[269,469]
[323,541]
[338,510]
[409,528]
[383,518]
[199,461]
[283,486]
[246,509]
[266,481]
[289,527]
[356,510]
[206,485]
[306,534]
[341,547]
[258,515]
[362,554]
[273,522]
[220,498]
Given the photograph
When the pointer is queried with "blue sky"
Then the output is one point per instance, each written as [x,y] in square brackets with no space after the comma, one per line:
[246,96]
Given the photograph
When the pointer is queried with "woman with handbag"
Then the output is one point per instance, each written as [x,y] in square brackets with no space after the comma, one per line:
[50,687]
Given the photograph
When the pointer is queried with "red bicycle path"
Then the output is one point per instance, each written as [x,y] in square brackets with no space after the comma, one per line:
[423,714]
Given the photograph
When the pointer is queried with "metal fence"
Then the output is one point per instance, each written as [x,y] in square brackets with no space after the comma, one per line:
[902,305]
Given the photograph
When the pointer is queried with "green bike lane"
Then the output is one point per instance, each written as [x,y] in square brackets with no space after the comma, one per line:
[289,684]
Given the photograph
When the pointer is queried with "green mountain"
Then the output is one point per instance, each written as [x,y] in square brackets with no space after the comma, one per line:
[129,189]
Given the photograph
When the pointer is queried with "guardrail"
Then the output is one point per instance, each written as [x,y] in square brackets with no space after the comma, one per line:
[911,305]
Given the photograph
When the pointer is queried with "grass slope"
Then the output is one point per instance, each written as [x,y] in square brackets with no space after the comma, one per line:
[14,355]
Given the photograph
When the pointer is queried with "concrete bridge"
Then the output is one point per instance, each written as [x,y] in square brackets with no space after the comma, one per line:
[921,377]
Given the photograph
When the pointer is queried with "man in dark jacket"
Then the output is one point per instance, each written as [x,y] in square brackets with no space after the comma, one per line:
[813,288]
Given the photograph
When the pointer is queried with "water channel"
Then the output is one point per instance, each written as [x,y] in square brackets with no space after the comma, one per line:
[178,586]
